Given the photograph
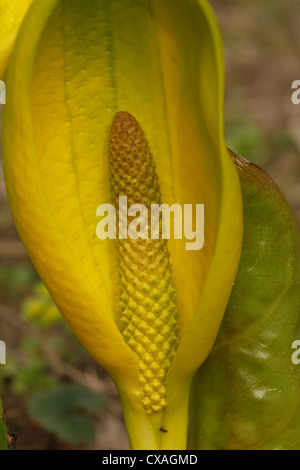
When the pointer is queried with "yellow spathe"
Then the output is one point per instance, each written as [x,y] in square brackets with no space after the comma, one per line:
[82,62]
[11,15]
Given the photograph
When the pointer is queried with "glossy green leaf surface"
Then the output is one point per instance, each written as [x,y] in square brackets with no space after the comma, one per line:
[247,394]
[3,435]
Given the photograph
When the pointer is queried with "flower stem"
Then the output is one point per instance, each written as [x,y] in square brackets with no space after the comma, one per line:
[165,430]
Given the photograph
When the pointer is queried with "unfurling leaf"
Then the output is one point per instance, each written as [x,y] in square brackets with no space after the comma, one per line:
[247,393]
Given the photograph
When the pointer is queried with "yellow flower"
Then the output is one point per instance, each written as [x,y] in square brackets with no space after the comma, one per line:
[81,63]
[11,16]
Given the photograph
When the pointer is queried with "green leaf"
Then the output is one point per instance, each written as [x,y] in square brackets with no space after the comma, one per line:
[3,433]
[62,411]
[247,393]
[16,280]
[39,308]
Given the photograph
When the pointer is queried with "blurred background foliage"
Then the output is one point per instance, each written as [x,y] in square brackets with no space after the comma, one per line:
[54,394]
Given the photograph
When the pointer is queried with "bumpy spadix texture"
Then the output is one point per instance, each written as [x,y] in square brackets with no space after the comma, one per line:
[147,292]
